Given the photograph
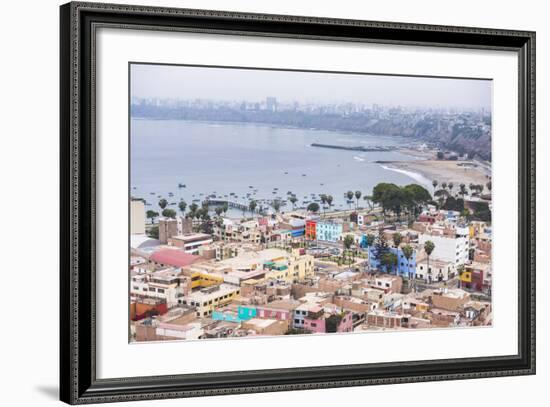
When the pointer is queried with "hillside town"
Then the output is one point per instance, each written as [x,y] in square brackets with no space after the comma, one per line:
[400,259]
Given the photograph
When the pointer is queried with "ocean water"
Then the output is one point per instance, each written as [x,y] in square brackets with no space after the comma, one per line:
[254,161]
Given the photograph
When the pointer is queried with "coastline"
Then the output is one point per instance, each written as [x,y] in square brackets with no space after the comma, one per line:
[425,171]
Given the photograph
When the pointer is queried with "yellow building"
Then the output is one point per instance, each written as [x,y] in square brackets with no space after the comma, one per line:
[466,277]
[208,299]
[200,279]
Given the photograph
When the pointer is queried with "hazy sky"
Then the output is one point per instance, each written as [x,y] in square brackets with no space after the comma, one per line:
[165,81]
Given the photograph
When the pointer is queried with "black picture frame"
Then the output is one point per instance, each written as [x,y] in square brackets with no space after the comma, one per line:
[78,381]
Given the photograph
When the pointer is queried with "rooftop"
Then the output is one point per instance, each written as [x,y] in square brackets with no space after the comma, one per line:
[176,258]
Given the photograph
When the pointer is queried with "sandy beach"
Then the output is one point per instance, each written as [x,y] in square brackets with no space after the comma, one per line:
[445,171]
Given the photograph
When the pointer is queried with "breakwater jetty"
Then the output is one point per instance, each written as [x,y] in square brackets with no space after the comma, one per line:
[355,148]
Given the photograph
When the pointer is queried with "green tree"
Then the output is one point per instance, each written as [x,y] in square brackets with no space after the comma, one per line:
[397,239]
[276,204]
[323,201]
[293,200]
[218,211]
[182,205]
[313,207]
[153,232]
[429,247]
[370,238]
[379,249]
[169,213]
[357,196]
[152,215]
[389,261]
[463,190]
[252,206]
[329,198]
[349,195]
[225,207]
[348,242]
[193,208]
[163,203]
[407,252]
[368,200]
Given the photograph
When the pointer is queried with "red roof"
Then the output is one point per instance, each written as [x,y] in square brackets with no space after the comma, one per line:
[175,258]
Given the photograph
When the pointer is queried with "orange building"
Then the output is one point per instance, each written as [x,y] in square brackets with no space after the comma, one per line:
[311,228]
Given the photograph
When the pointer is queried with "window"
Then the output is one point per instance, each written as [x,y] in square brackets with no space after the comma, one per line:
[161,290]
[135,287]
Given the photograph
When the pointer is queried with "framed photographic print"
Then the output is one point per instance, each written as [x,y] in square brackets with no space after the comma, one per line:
[317,202]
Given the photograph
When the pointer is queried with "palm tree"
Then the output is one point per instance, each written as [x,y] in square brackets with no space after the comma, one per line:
[329,200]
[357,196]
[169,213]
[323,201]
[193,208]
[252,206]
[368,200]
[451,185]
[293,200]
[370,239]
[163,203]
[397,239]
[429,247]
[182,205]
[349,195]
[407,252]
[489,185]
[347,242]
[435,183]
[218,210]
[152,215]
[276,204]
[225,207]
[463,190]
[444,185]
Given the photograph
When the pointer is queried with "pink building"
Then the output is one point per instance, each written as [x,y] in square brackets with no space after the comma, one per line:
[281,310]
[317,321]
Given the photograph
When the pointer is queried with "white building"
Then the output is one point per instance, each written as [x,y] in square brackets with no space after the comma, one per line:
[137,216]
[190,331]
[452,249]
[162,284]
[439,270]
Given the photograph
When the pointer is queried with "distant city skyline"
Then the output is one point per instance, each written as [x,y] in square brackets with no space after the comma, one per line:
[237,84]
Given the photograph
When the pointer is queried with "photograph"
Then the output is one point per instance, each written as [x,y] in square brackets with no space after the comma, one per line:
[266,202]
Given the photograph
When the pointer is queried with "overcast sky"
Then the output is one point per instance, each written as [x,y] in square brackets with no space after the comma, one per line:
[166,81]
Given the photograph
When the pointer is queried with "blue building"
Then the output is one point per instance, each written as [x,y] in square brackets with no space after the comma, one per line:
[243,313]
[405,268]
[329,231]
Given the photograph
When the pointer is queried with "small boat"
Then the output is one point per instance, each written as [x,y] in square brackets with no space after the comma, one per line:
[303,175]
[152,193]
[286,172]
[180,185]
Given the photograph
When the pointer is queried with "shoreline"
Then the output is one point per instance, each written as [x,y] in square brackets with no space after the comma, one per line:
[425,171]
